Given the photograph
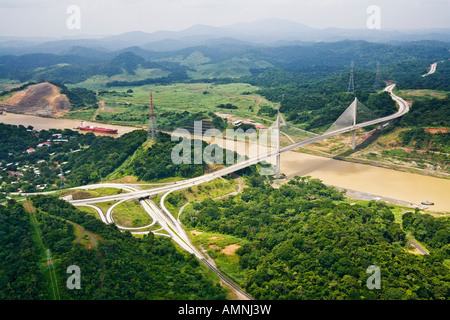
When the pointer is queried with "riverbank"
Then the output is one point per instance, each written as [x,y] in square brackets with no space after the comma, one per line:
[40,123]
[377,181]
[385,165]
[404,186]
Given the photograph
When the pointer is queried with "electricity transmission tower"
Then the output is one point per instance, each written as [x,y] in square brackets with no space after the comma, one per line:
[351,84]
[152,128]
[377,78]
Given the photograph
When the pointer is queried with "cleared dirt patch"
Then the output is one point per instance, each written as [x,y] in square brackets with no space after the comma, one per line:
[85,237]
[42,99]
[436,130]
[413,250]
[214,247]
[77,195]
[196,233]
[126,179]
[423,93]
[29,208]
[230,249]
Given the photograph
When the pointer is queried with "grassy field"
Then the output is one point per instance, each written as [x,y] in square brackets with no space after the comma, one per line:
[212,189]
[382,150]
[104,206]
[416,94]
[90,211]
[98,82]
[7,84]
[222,248]
[387,151]
[232,68]
[130,214]
[133,108]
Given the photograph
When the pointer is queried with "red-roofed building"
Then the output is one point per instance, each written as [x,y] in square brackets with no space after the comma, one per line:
[15,173]
[31,150]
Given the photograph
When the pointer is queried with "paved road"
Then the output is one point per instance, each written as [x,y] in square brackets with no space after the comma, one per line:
[432,70]
[403,109]
[99,211]
[226,280]
[419,247]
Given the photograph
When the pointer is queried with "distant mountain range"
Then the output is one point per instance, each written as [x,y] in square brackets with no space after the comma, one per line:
[268,32]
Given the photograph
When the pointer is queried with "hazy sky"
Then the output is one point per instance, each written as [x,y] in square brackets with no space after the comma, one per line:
[101,17]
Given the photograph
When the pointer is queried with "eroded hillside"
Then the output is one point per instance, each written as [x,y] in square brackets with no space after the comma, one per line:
[42,99]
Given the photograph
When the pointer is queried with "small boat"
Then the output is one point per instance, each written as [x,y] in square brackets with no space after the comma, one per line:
[428,203]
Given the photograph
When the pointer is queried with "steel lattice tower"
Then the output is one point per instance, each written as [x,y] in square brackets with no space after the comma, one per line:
[152,128]
[377,78]
[351,84]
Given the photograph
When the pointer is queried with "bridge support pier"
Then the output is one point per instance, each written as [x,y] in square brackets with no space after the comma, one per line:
[383,125]
[354,123]
[353,140]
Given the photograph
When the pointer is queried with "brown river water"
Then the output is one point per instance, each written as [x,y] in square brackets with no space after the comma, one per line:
[40,123]
[383,182]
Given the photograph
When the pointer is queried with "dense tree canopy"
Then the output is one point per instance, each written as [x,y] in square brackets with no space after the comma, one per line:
[299,244]
[117,266]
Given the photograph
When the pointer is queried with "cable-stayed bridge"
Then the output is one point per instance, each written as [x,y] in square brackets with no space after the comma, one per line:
[347,122]
[349,115]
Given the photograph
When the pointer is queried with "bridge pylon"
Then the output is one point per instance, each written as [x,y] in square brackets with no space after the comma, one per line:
[355,104]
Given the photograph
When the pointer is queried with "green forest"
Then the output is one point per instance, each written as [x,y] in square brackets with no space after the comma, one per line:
[155,163]
[434,233]
[422,140]
[428,112]
[302,242]
[115,266]
[425,112]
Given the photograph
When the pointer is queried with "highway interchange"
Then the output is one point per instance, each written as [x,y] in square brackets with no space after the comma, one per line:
[171,226]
